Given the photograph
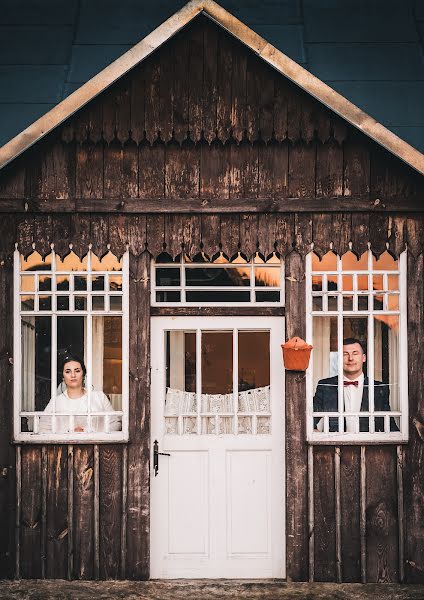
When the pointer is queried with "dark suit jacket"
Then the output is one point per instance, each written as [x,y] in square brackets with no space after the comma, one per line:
[326,400]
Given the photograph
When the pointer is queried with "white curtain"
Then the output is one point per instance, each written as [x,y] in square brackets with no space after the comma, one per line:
[28,363]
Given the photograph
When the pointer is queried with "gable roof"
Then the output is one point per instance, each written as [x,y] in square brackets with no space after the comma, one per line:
[271,55]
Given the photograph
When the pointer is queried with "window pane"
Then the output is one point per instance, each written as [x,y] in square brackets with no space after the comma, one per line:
[253,372]
[267,296]
[35,362]
[97,283]
[27,303]
[217,362]
[167,277]
[267,276]
[35,262]
[350,262]
[45,303]
[217,297]
[115,302]
[62,282]
[218,276]
[386,367]
[27,283]
[62,302]
[168,296]
[325,369]
[328,262]
[107,358]
[80,283]
[98,302]
[115,283]
[385,262]
[44,283]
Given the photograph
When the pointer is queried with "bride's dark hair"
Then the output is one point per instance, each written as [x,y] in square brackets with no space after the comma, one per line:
[73,357]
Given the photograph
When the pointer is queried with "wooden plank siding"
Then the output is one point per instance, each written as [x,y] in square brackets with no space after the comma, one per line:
[203,148]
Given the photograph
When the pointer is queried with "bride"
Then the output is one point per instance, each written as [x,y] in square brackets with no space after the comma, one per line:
[73,400]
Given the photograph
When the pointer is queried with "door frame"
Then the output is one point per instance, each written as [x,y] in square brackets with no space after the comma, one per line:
[276,325]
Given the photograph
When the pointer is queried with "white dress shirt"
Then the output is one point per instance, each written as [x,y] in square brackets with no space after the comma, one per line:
[352,397]
[79,406]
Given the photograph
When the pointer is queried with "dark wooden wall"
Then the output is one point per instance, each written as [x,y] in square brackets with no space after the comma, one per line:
[206,148]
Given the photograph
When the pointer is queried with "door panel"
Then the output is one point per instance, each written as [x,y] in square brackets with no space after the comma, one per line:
[217,410]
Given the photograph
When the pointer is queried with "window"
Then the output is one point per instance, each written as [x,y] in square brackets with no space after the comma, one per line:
[69,313]
[356,322]
[202,281]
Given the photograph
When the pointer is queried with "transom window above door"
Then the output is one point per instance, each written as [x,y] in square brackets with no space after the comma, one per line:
[217,382]
[220,280]
[70,348]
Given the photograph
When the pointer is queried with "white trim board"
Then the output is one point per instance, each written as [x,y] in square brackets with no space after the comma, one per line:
[271,55]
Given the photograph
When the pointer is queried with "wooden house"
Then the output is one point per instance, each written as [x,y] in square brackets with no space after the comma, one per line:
[174,221]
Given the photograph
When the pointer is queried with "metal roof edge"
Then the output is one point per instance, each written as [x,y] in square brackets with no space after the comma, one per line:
[271,55]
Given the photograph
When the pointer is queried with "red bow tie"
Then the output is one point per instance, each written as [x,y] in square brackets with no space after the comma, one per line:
[346,383]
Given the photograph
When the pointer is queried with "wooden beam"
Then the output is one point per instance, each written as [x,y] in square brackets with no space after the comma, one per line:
[336,204]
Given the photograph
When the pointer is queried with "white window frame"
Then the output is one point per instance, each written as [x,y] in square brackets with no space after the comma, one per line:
[251,288]
[315,437]
[80,437]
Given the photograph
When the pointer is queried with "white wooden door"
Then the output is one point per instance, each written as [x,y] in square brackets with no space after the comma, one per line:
[217,500]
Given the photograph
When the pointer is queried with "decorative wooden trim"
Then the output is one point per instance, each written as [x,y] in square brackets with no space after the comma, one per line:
[279,61]
[217,311]
[171,205]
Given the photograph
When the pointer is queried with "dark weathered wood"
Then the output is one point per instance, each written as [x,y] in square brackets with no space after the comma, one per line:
[99,234]
[350,513]
[151,172]
[325,518]
[321,232]
[296,452]
[174,234]
[249,234]
[96,511]
[219,204]
[152,122]
[124,496]
[414,452]
[83,513]
[238,92]
[57,513]
[397,234]
[217,311]
[18,509]
[266,233]
[243,170]
[180,87]
[30,521]
[363,514]
[382,514]
[195,78]
[337,502]
[356,181]
[182,170]
[110,480]
[80,234]
[120,229]
[7,458]
[329,169]
[401,513]
[138,515]
[136,233]
[303,233]
[137,99]
[311,514]
[360,233]
[89,169]
[341,232]
[210,74]
[210,234]
[273,169]
[302,161]
[378,233]
[214,170]
[70,511]
[43,527]
[284,233]
[224,75]
[155,234]
[113,167]
[230,234]
[60,233]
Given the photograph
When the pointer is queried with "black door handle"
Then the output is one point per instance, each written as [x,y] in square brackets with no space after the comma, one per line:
[156,454]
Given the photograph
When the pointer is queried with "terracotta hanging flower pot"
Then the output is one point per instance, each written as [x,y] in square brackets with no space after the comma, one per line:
[296,354]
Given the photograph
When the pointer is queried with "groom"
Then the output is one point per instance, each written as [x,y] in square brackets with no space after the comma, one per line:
[355,392]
